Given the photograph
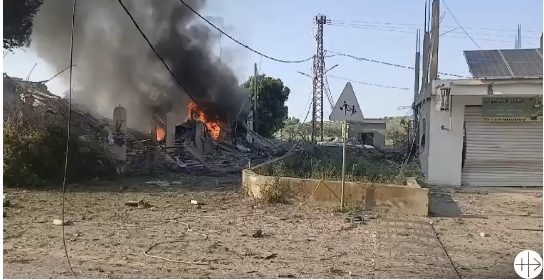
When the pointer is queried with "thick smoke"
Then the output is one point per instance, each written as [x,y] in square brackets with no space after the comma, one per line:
[115,66]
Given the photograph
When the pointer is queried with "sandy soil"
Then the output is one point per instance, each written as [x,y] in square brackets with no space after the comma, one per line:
[107,239]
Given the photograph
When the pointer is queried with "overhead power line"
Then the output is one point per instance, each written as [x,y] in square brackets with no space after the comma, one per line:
[459,24]
[368,84]
[390,64]
[410,29]
[406,31]
[240,43]
[416,25]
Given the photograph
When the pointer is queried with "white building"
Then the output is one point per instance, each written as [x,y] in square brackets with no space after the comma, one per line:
[369,132]
[484,131]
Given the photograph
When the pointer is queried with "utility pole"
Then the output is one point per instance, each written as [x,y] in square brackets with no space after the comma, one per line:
[416,86]
[255,93]
[318,83]
[434,40]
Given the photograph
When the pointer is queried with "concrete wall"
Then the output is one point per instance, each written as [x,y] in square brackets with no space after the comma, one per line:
[409,200]
[442,155]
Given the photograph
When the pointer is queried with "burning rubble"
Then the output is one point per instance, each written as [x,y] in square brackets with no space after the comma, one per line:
[116,66]
[200,143]
[201,125]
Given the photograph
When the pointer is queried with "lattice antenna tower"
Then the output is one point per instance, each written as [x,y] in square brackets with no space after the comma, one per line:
[318,83]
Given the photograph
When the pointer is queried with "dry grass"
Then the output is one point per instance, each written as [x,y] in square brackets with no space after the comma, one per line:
[274,193]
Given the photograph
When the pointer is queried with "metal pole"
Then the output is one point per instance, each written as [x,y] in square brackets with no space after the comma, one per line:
[344,136]
[255,92]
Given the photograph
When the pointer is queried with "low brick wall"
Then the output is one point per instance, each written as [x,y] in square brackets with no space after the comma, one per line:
[409,199]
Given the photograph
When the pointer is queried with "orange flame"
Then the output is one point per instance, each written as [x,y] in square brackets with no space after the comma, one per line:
[160,133]
[213,127]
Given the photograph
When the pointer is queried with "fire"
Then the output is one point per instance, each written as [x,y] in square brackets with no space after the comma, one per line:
[213,127]
[160,133]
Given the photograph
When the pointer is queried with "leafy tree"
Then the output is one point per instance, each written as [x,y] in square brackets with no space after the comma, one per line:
[271,109]
[291,121]
[397,131]
[18,19]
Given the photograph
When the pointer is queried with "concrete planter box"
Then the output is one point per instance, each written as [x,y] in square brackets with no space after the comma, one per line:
[409,199]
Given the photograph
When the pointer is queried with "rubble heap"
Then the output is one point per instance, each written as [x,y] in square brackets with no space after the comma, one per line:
[195,149]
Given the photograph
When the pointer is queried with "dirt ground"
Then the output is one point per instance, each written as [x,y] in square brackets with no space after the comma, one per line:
[472,233]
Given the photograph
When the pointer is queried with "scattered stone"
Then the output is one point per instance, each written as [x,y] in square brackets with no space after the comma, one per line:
[483,234]
[257,234]
[158,183]
[348,227]
[6,201]
[58,222]
[270,256]
[122,188]
[140,204]
[336,271]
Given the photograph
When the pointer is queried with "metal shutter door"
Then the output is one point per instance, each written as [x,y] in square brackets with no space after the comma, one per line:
[501,154]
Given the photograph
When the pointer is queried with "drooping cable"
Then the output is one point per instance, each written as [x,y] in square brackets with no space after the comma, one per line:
[459,24]
[68,140]
[240,43]
[390,64]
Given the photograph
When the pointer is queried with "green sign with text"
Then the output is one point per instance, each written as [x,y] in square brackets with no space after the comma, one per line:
[512,109]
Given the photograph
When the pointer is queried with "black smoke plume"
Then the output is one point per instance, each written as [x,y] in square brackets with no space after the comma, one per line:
[115,66]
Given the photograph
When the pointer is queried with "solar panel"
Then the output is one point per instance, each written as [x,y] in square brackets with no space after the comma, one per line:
[487,64]
[524,63]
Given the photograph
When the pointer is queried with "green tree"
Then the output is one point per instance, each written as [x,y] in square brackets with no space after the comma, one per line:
[290,128]
[397,131]
[271,109]
[18,19]
[291,121]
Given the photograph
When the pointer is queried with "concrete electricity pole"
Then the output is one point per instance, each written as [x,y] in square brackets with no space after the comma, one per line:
[255,93]
[434,40]
[416,86]
[318,83]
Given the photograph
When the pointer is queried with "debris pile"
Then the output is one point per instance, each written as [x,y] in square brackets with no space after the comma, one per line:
[198,147]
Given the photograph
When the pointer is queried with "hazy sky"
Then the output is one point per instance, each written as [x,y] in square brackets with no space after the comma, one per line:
[379,30]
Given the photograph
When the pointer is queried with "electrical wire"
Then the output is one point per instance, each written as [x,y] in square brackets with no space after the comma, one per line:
[238,42]
[58,73]
[409,30]
[390,64]
[68,140]
[328,92]
[399,30]
[310,103]
[458,23]
[220,48]
[368,84]
[164,62]
[358,22]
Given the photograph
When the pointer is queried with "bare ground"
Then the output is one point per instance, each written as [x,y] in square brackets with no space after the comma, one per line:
[107,239]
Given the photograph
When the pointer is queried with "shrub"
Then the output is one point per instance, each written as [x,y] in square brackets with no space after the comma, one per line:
[34,155]
[274,193]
